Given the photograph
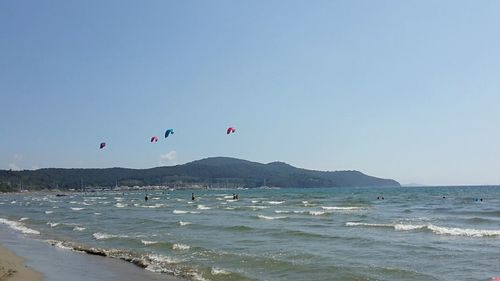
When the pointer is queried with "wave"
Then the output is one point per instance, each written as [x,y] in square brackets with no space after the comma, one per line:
[257,207]
[120,205]
[274,202]
[19,226]
[439,230]
[341,208]
[271,218]
[146,242]
[219,271]
[76,209]
[178,212]
[239,228]
[184,223]
[151,262]
[281,212]
[153,206]
[48,212]
[180,247]
[105,236]
[78,228]
[23,219]
[53,224]
[316,213]
[203,207]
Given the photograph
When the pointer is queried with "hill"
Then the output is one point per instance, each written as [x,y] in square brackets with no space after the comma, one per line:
[213,172]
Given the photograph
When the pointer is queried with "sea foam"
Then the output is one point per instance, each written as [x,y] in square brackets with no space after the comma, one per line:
[439,230]
[180,247]
[19,226]
[271,218]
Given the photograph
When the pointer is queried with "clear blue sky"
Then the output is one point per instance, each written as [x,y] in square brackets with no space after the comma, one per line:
[408,90]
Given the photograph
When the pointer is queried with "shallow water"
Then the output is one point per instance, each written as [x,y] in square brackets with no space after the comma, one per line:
[279,234]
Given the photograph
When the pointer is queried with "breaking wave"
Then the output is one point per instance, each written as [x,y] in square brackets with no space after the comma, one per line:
[271,218]
[19,226]
[440,230]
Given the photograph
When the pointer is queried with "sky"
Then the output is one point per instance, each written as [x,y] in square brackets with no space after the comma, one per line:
[408,90]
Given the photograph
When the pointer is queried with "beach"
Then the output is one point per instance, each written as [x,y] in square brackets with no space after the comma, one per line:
[12,268]
[26,259]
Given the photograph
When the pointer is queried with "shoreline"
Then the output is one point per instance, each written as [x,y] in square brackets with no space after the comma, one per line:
[13,268]
[36,260]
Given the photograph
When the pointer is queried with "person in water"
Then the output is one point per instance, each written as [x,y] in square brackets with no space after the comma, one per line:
[192,196]
[146,198]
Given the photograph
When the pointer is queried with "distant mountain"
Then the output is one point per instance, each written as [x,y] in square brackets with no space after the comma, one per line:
[209,172]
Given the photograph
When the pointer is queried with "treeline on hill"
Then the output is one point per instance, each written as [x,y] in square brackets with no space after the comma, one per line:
[210,172]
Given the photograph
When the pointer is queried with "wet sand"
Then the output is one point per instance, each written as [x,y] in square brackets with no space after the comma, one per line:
[12,268]
[56,264]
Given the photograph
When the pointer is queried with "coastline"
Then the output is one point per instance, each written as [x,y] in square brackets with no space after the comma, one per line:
[36,260]
[13,268]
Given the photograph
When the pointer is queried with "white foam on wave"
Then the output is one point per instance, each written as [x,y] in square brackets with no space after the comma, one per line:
[13,202]
[271,218]
[229,208]
[180,247]
[104,236]
[439,230]
[153,206]
[23,219]
[53,224]
[120,205]
[77,209]
[178,212]
[274,202]
[219,271]
[203,207]
[48,212]
[316,213]
[19,226]
[59,244]
[156,261]
[258,207]
[78,228]
[184,223]
[231,200]
[471,232]
[73,202]
[368,224]
[281,212]
[146,242]
[97,214]
[255,201]
[341,208]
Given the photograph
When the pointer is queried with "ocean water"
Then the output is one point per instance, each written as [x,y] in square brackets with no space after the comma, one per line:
[277,234]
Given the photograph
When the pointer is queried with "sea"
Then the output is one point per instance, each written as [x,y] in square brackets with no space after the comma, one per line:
[376,233]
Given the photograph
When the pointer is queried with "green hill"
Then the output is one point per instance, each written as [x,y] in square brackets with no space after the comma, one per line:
[209,172]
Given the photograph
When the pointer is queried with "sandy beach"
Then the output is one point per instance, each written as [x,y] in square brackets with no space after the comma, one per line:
[12,268]
[26,259]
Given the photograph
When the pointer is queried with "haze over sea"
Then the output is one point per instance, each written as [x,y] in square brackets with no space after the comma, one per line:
[424,233]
